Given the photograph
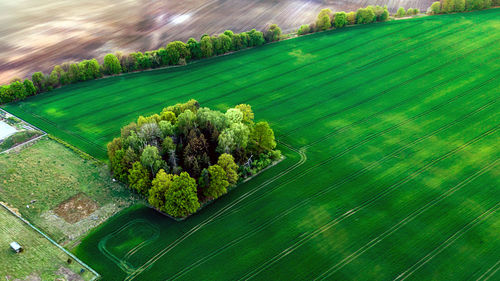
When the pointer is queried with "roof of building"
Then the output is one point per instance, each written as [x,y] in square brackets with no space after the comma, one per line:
[15,246]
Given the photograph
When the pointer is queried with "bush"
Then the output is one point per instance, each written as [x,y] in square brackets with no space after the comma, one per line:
[18,138]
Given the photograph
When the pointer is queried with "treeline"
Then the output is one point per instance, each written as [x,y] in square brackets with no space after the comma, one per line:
[174,53]
[188,155]
[452,6]
[326,19]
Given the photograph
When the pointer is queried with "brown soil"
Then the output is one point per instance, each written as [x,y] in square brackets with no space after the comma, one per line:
[68,274]
[76,208]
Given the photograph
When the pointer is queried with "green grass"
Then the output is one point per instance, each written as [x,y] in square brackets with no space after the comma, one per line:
[390,133]
[50,173]
[40,258]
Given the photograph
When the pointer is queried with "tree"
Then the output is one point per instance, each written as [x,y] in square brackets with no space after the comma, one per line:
[151,158]
[226,162]
[234,115]
[304,29]
[111,65]
[206,46]
[17,90]
[29,87]
[196,153]
[185,122]
[73,73]
[256,38]
[365,15]
[218,182]
[233,138]
[194,48]
[177,50]
[272,33]
[166,128]
[401,12]
[435,8]
[138,178]
[248,114]
[459,5]
[223,44]
[340,19]
[351,18]
[159,187]
[181,199]
[447,6]
[262,138]
[38,80]
[323,22]
[385,15]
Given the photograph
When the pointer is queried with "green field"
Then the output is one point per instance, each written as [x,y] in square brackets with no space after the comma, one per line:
[40,258]
[390,133]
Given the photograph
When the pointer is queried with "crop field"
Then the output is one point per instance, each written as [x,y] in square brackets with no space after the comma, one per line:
[392,170]
[40,260]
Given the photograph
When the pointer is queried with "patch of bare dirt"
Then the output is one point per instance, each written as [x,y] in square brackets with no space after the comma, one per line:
[76,208]
[68,274]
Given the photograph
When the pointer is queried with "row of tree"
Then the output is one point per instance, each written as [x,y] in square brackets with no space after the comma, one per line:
[451,6]
[174,53]
[326,19]
[187,155]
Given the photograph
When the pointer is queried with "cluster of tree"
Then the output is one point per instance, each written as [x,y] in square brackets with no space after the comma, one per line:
[410,12]
[187,155]
[326,19]
[451,6]
[175,53]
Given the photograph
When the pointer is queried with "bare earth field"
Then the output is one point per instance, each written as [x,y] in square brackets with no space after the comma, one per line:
[36,35]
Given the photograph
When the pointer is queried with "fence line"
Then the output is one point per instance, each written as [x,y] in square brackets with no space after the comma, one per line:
[97,275]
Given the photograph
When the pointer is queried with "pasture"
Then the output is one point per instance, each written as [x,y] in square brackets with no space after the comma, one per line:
[45,175]
[392,170]
[39,260]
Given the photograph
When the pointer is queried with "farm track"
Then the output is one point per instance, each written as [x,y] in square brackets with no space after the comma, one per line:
[390,132]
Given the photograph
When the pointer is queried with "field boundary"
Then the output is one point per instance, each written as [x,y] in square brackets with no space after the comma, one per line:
[26,142]
[97,275]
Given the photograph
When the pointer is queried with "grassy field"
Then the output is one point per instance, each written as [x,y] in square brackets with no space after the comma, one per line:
[390,133]
[40,260]
[50,174]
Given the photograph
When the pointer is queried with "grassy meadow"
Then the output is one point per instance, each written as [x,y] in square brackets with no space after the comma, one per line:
[392,168]
[40,259]
[45,174]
